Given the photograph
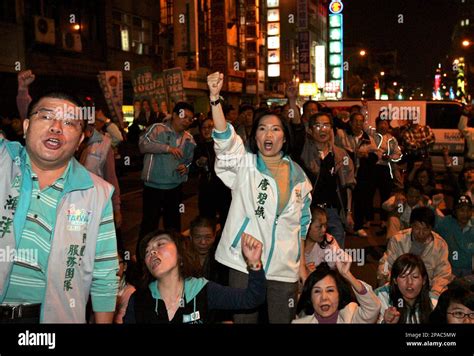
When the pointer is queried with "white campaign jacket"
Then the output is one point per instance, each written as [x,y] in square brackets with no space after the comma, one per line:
[254,209]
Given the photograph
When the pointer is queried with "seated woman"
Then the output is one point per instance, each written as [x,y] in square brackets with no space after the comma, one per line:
[455,304]
[425,177]
[320,246]
[171,293]
[326,298]
[406,299]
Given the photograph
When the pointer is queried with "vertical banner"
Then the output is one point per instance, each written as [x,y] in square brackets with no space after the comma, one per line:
[112,86]
[219,35]
[304,56]
[173,79]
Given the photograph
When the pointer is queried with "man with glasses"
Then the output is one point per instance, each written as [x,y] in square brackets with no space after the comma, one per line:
[58,219]
[331,172]
[422,241]
[168,150]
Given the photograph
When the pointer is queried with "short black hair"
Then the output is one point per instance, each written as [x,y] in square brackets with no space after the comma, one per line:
[72,98]
[413,185]
[355,114]
[305,105]
[319,211]
[252,142]
[322,271]
[245,107]
[203,221]
[227,109]
[355,107]
[429,172]
[423,214]
[459,291]
[182,105]
[201,122]
[314,117]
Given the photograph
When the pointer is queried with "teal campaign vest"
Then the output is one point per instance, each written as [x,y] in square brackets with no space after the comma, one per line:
[78,216]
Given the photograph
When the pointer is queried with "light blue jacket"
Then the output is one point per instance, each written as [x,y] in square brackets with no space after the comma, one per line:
[159,166]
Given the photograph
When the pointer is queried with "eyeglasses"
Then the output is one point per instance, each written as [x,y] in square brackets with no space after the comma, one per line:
[68,120]
[461,315]
[322,126]
[188,118]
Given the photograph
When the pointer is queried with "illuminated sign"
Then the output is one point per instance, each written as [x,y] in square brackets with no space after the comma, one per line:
[335,7]
[125,41]
[320,65]
[336,77]
[273,70]
[272,3]
[335,47]
[308,89]
[335,21]
[273,29]
[273,15]
[273,42]
[332,87]
[273,56]
[273,38]
[335,59]
[335,34]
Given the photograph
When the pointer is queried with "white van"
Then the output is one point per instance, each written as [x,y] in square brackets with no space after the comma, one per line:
[441,116]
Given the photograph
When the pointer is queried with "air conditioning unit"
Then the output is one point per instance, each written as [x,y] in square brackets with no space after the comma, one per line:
[72,41]
[44,30]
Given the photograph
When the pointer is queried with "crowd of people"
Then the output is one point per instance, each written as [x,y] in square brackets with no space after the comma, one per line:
[279,188]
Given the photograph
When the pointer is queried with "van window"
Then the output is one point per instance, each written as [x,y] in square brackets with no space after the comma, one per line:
[443,116]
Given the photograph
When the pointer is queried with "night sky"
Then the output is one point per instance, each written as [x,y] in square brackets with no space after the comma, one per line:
[422,40]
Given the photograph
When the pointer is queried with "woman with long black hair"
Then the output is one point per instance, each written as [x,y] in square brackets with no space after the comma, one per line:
[406,299]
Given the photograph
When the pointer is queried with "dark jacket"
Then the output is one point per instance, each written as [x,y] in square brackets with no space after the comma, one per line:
[200,296]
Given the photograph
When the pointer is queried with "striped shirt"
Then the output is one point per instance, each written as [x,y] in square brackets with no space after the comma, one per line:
[29,273]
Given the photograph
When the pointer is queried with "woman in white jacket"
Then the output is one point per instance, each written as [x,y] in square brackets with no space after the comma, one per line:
[327,299]
[270,200]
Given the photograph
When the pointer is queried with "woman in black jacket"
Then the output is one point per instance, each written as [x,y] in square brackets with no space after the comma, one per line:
[172,294]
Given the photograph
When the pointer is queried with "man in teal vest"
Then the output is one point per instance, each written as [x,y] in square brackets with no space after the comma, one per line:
[57,231]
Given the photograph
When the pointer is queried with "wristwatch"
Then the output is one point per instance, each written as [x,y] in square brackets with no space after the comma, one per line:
[215,102]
